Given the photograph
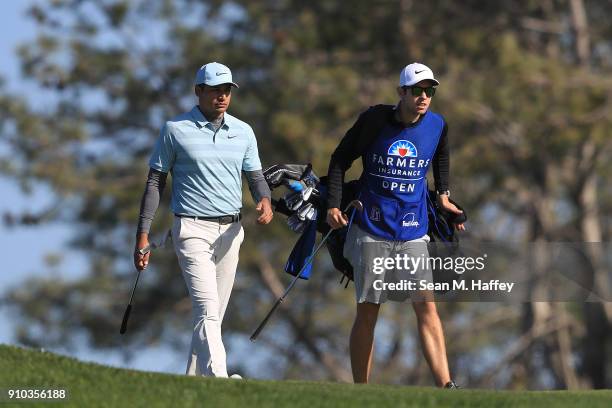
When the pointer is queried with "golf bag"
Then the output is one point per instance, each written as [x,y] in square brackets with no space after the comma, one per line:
[305,205]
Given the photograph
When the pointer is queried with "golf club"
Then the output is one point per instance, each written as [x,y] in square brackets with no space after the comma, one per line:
[128,309]
[143,251]
[358,206]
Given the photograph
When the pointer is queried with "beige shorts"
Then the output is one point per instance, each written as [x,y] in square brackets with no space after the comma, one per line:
[378,279]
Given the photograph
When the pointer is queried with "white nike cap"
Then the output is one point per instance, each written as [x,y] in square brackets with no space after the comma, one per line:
[415,73]
[213,74]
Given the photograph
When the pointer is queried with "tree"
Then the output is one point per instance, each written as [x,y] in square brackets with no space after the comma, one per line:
[513,75]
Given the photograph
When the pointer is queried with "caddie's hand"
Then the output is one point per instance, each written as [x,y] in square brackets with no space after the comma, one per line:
[445,203]
[336,219]
[264,207]
[141,261]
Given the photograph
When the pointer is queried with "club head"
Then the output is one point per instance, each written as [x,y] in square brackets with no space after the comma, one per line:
[303,211]
[293,201]
[306,193]
[297,205]
[312,214]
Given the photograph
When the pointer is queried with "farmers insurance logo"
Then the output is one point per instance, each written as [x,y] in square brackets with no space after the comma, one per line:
[402,148]
[409,220]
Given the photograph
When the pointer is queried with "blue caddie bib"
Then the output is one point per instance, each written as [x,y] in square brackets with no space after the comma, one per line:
[394,186]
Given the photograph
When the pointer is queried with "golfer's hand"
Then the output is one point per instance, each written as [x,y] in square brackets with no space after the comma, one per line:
[336,219]
[445,203]
[264,207]
[141,261]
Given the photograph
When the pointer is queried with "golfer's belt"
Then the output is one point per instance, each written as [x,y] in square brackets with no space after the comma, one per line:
[223,219]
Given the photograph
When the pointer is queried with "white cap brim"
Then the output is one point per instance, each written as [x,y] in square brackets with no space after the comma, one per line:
[418,79]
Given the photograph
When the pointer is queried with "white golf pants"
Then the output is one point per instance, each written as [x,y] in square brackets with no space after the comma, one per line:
[208,255]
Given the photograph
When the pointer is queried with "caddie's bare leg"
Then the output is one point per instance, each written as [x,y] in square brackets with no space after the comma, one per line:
[362,341]
[432,340]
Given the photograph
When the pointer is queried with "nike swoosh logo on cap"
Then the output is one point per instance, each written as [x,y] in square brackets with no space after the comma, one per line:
[418,72]
[220,73]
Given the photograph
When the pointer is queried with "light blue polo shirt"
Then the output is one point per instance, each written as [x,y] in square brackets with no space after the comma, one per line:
[205,166]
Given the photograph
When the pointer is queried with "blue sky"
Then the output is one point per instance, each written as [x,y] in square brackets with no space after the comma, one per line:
[23,249]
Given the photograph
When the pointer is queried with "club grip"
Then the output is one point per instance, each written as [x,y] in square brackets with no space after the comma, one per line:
[126,316]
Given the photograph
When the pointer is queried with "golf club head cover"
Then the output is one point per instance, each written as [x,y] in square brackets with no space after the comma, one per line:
[280,174]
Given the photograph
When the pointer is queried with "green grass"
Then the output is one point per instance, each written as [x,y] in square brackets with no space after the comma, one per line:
[93,385]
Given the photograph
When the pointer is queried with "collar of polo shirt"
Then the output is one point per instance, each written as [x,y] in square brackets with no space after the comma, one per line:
[201,120]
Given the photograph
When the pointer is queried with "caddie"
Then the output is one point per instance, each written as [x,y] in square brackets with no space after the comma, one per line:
[397,145]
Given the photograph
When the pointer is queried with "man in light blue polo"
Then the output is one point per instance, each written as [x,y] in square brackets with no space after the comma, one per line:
[206,150]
